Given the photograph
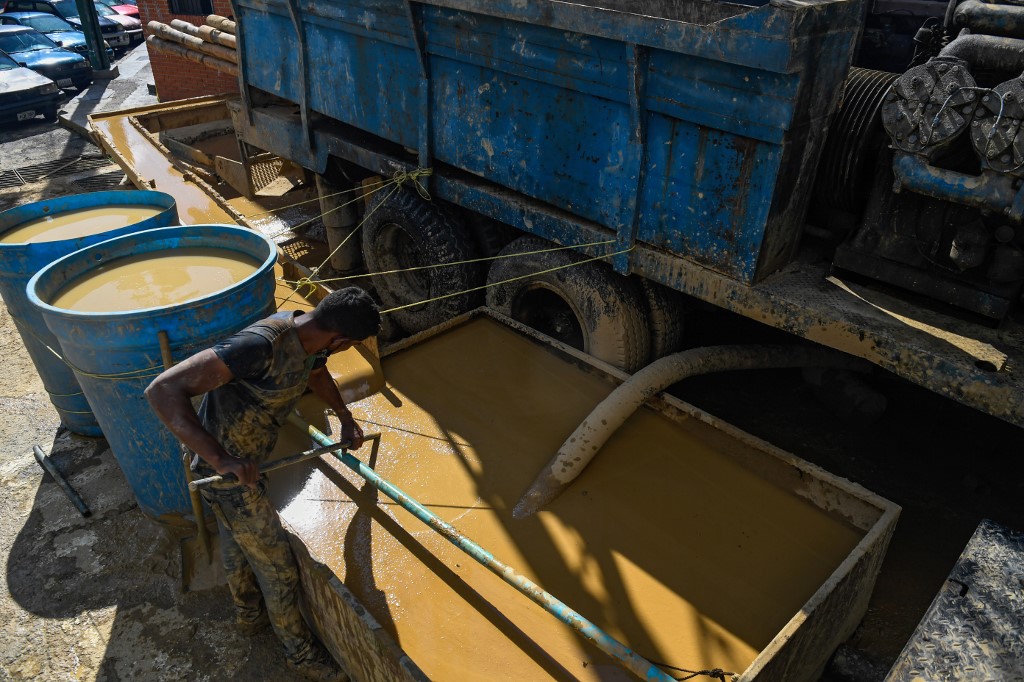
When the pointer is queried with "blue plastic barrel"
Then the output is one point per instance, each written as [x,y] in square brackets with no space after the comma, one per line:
[18,262]
[117,354]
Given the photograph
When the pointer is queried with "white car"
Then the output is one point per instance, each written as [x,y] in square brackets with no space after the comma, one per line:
[25,94]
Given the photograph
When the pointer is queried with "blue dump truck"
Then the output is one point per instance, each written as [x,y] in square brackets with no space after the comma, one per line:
[688,151]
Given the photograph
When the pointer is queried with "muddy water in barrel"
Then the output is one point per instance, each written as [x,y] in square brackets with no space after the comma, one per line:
[156,279]
[666,541]
[75,224]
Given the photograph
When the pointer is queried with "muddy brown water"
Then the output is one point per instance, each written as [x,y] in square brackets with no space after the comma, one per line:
[155,279]
[665,541]
[80,223]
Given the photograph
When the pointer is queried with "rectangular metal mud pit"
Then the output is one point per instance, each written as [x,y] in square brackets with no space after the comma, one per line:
[690,541]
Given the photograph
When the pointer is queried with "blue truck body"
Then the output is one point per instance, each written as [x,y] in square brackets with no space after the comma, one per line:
[695,132]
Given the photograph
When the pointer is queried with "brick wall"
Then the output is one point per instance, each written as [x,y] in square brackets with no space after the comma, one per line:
[176,77]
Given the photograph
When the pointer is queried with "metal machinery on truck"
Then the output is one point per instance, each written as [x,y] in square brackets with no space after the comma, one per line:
[678,142]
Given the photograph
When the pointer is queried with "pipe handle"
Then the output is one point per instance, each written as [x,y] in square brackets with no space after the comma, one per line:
[210,480]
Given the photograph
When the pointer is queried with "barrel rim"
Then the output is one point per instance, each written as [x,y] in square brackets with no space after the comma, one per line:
[71,202]
[154,234]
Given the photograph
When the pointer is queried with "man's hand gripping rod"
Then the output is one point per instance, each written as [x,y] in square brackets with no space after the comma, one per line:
[278,464]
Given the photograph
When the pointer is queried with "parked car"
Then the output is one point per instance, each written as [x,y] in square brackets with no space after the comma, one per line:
[131,25]
[112,31]
[30,48]
[54,28]
[24,93]
[121,7]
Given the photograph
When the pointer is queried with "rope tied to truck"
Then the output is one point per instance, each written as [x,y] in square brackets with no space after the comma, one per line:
[505,281]
[395,183]
[448,265]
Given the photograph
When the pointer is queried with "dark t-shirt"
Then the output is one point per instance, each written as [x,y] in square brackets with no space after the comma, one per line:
[271,371]
[249,355]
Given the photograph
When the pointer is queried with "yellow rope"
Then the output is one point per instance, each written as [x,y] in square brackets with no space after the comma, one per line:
[448,265]
[319,198]
[130,374]
[504,281]
[62,395]
[396,182]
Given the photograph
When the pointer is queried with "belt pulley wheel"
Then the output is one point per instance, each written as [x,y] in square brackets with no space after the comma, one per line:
[854,140]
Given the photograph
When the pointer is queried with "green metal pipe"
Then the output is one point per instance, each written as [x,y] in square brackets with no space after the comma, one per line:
[635,663]
[93,36]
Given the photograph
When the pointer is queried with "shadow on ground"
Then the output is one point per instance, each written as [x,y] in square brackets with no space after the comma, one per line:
[100,597]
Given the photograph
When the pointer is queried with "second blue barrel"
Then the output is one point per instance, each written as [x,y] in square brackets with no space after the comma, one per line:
[107,305]
[33,236]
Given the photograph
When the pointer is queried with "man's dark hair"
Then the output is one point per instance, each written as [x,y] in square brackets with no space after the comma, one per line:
[350,311]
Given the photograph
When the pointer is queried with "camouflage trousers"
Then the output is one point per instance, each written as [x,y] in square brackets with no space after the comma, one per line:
[260,565]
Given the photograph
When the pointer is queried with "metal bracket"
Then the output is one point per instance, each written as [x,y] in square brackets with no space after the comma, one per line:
[425,151]
[304,96]
[243,84]
[637,62]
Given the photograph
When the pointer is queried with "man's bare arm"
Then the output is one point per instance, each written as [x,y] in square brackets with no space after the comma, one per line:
[170,395]
[322,383]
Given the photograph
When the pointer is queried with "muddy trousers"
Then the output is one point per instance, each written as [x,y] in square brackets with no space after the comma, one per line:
[260,565]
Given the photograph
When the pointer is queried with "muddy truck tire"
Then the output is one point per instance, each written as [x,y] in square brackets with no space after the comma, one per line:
[404,231]
[666,314]
[586,306]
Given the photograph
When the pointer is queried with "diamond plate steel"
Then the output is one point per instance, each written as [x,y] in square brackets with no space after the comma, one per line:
[972,630]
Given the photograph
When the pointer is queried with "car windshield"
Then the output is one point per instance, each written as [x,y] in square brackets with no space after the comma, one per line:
[104,11]
[48,24]
[6,63]
[66,8]
[26,41]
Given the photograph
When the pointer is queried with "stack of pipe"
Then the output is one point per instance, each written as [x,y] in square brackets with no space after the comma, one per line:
[212,45]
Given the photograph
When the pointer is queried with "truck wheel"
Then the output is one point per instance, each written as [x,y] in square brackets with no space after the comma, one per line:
[404,231]
[588,306]
[666,311]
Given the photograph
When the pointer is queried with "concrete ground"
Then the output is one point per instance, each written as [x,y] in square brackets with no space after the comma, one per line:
[100,598]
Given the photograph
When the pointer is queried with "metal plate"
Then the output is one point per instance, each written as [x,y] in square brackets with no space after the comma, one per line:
[972,629]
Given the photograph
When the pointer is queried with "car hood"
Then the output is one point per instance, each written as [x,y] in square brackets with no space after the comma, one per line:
[68,39]
[105,24]
[47,59]
[128,23]
[19,80]
[127,10]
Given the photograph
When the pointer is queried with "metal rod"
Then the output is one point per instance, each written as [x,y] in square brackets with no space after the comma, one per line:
[270,466]
[608,644]
[51,469]
[197,504]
